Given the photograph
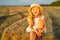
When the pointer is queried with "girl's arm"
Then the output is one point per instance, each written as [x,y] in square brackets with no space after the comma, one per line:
[44,26]
[30,24]
[40,30]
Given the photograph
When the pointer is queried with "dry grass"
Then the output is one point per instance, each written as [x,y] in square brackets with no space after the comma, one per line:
[14,26]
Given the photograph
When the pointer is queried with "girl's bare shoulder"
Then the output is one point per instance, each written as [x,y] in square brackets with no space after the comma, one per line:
[42,17]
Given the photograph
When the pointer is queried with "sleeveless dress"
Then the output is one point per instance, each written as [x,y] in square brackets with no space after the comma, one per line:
[35,24]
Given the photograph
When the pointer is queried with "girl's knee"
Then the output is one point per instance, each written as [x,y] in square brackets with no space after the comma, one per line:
[32,36]
[32,33]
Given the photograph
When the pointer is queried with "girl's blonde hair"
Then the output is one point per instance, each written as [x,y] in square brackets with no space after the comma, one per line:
[30,16]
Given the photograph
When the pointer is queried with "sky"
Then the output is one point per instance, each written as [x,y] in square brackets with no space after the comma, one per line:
[24,2]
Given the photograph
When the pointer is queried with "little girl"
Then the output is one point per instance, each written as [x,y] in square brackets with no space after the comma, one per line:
[36,22]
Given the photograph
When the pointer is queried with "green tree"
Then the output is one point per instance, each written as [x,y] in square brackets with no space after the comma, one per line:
[56,3]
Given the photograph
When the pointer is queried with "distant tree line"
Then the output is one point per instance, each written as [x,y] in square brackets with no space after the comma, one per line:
[56,3]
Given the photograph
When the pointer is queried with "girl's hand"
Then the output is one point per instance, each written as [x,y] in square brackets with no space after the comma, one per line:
[38,32]
[32,29]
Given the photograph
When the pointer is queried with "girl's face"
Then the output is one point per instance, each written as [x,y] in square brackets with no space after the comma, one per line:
[35,11]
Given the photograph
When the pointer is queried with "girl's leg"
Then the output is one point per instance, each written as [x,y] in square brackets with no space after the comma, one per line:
[38,37]
[32,35]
